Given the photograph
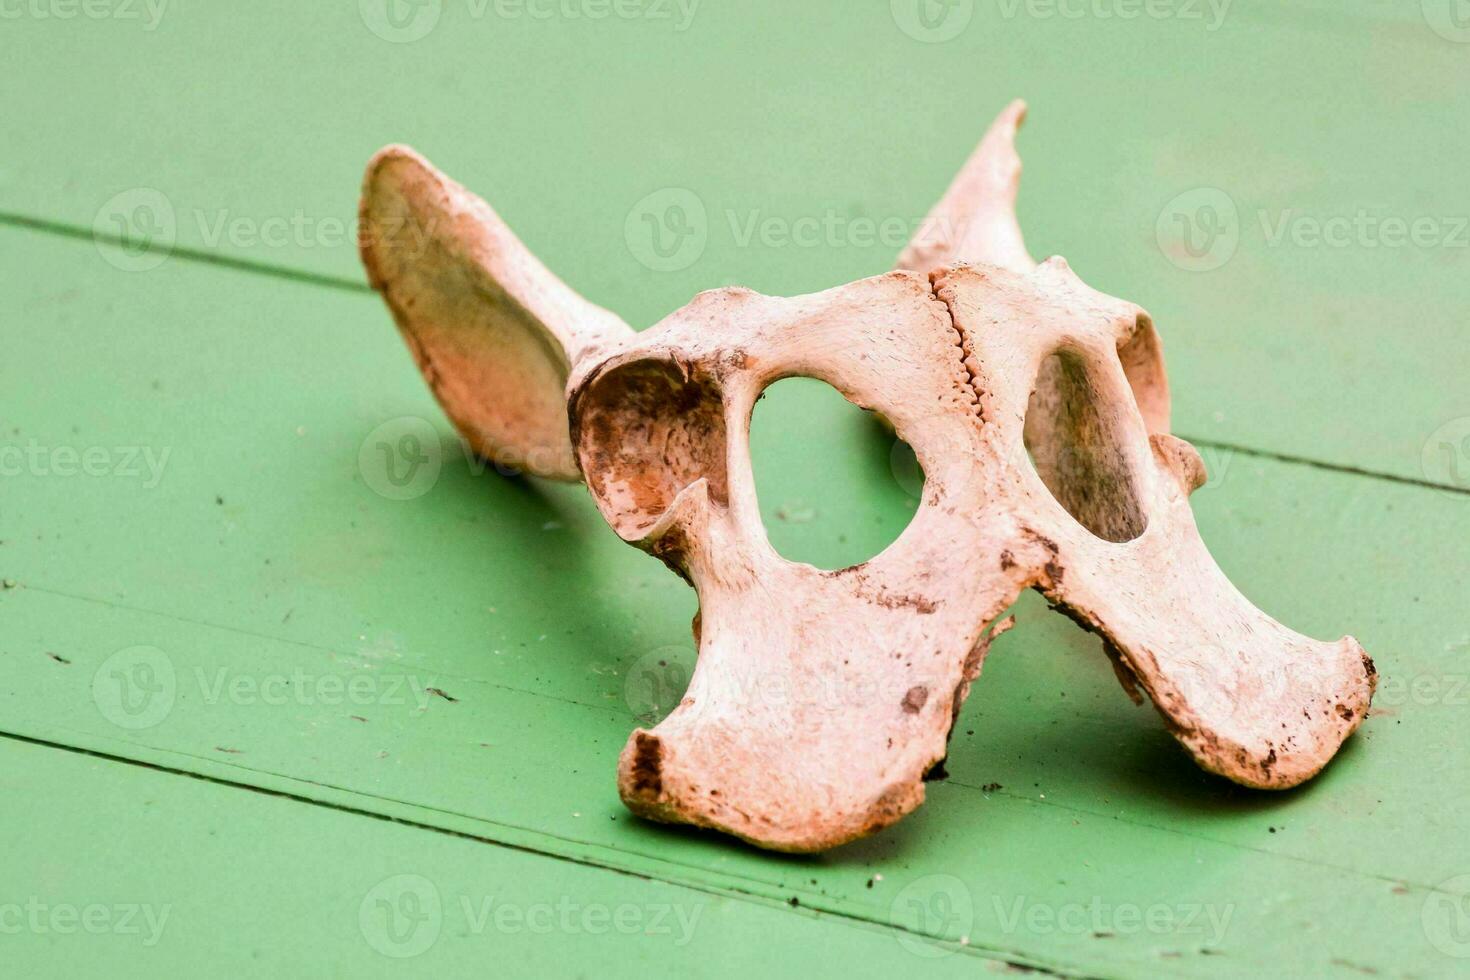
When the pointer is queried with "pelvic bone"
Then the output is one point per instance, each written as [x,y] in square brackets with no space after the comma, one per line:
[821,699]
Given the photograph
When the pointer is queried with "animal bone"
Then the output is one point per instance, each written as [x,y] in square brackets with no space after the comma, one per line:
[821,699]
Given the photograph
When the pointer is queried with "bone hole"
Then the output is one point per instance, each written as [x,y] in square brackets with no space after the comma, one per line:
[830,481]
[1143,364]
[648,429]
[1074,439]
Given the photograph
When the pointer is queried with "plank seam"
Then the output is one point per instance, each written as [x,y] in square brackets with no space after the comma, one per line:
[206,257]
[953,782]
[1009,957]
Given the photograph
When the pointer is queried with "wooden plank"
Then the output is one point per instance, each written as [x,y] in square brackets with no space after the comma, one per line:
[305,616]
[1346,348]
[134,872]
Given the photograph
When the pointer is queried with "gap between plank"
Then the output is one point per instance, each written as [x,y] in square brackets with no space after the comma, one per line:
[186,253]
[1010,958]
[204,256]
[591,706]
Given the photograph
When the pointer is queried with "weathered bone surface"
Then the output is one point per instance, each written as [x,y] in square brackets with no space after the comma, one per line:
[821,699]
[492,330]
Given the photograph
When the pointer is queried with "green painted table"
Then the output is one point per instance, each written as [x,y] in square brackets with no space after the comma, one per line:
[267,712]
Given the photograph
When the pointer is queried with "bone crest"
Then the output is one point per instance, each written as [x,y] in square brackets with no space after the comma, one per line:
[1038,410]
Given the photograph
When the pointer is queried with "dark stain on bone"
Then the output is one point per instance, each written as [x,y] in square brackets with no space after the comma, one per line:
[918,603]
[865,588]
[914,699]
[1042,540]
[647,773]
[734,360]
[672,548]
[1053,570]
[1344,712]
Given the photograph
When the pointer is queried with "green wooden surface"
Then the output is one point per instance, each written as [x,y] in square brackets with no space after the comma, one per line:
[334,894]
[209,574]
[255,128]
